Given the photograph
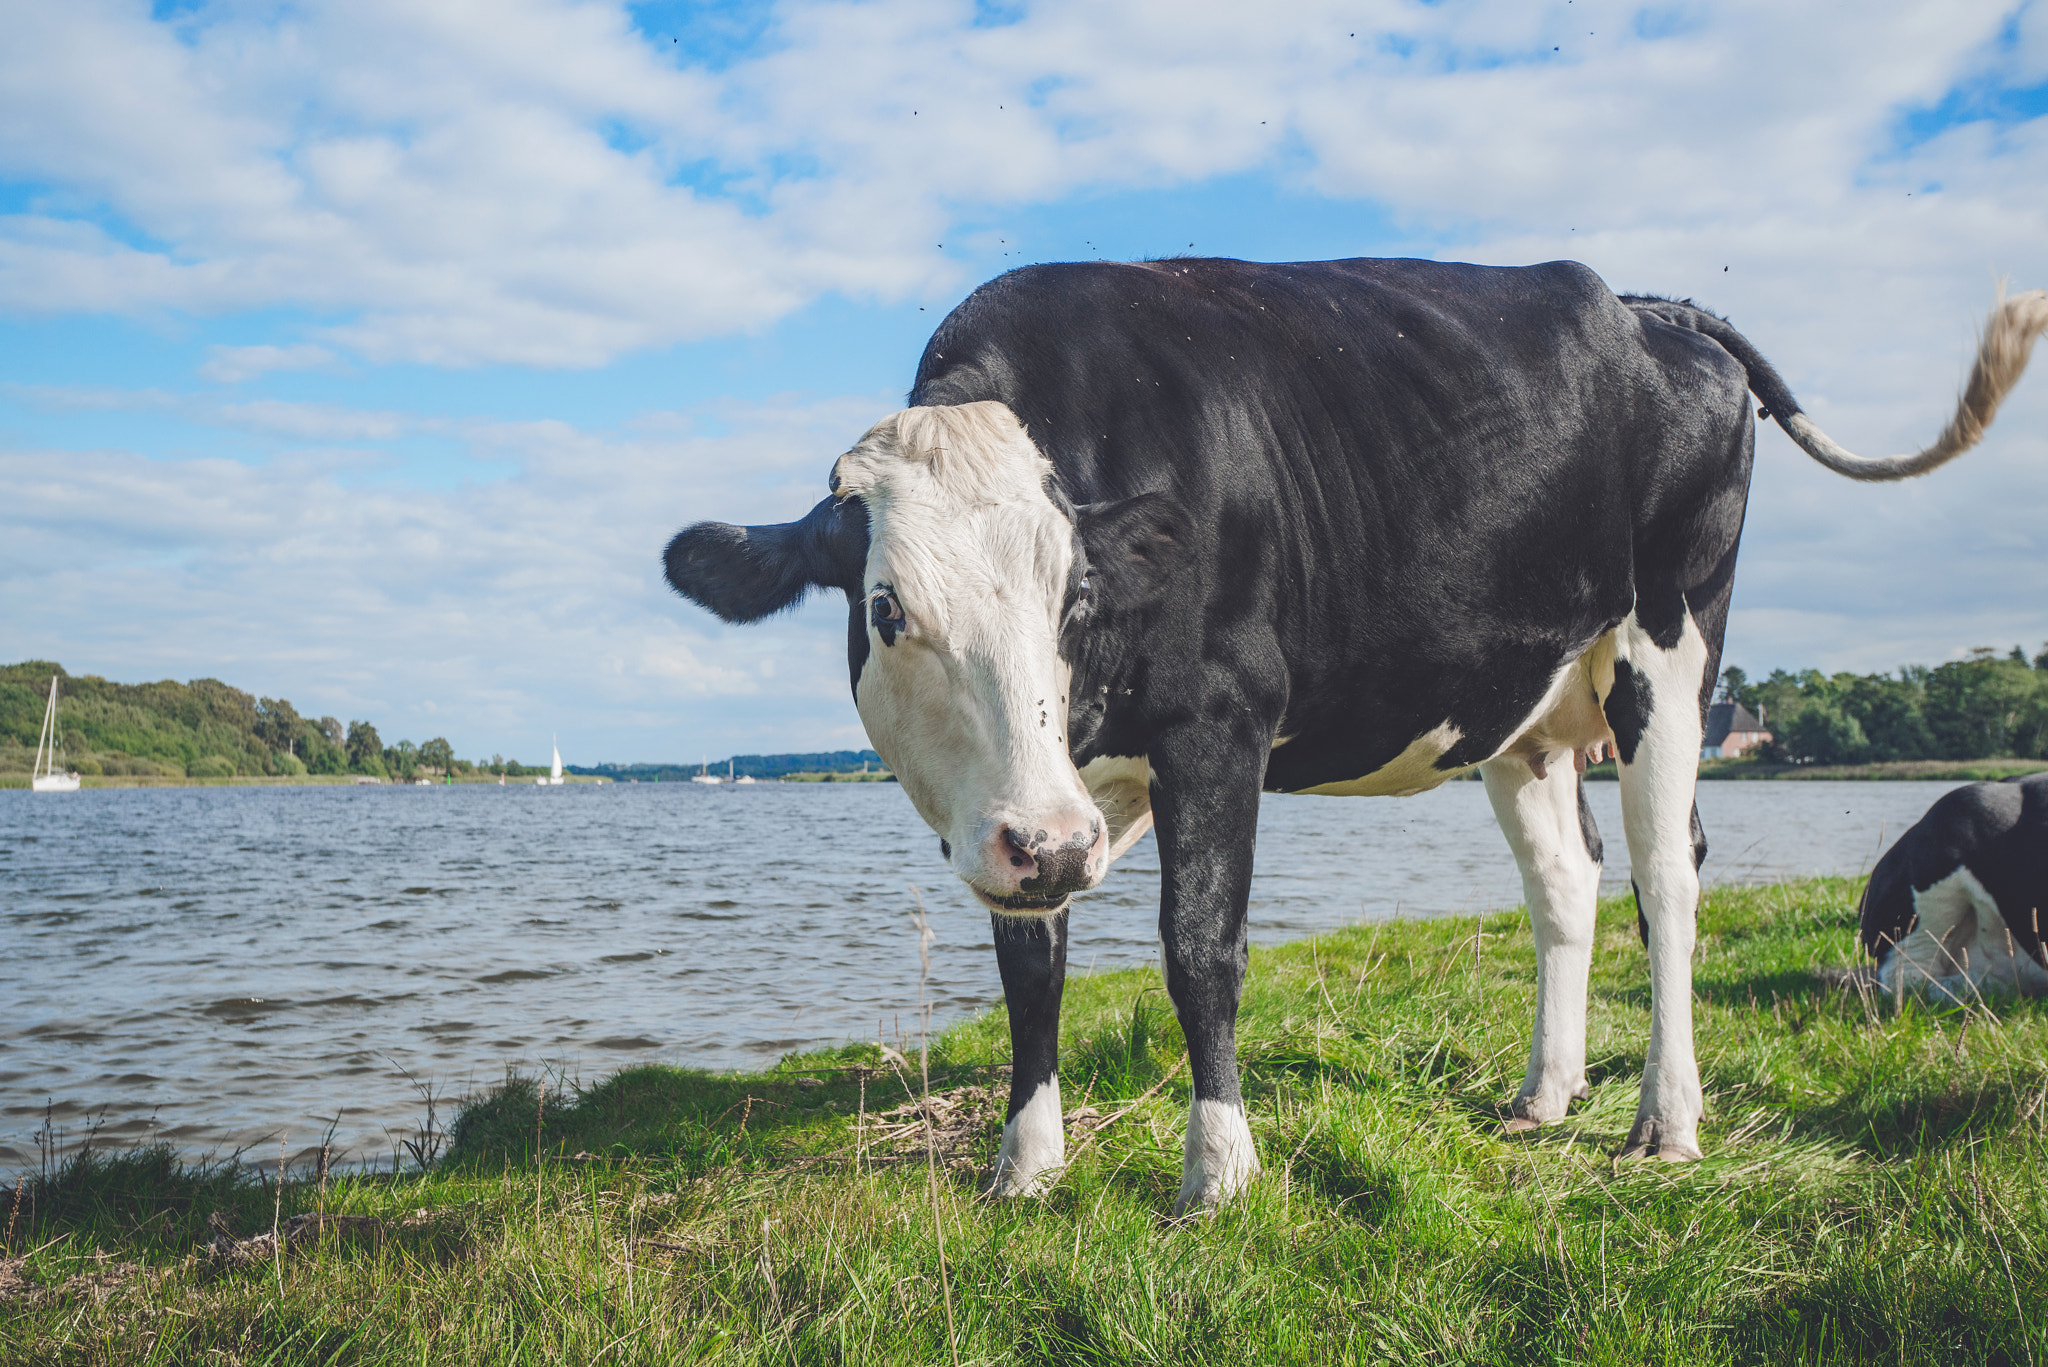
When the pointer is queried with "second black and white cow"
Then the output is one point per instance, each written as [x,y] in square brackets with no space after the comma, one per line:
[1153,538]
[1954,910]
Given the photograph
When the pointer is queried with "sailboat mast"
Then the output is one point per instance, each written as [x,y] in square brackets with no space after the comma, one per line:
[47,736]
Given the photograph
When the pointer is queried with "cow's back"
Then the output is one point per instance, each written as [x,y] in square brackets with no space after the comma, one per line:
[1429,484]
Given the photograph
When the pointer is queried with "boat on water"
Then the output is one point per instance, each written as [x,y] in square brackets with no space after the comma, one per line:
[701,777]
[554,778]
[43,777]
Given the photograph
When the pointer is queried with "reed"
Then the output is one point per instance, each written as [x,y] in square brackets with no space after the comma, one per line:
[1872,1192]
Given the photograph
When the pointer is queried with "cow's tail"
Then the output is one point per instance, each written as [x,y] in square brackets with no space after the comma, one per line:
[2002,351]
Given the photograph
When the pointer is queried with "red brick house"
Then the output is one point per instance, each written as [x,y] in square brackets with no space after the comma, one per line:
[1732,731]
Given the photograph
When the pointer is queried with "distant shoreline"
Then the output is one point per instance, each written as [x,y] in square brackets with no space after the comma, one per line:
[1922,770]
[21,781]
[1739,770]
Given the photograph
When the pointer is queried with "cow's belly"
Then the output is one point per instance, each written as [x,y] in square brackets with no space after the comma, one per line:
[1410,772]
[1569,718]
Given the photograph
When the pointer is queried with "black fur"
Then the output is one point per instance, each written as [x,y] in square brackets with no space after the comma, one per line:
[1031,956]
[746,573]
[1628,709]
[1589,830]
[1998,831]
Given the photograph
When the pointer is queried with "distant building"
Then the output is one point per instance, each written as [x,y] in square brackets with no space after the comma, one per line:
[1732,731]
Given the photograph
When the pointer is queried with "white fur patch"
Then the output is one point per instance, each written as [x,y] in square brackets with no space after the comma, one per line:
[1539,815]
[1960,949]
[1656,815]
[1121,786]
[1220,1157]
[1408,773]
[1568,720]
[1034,1145]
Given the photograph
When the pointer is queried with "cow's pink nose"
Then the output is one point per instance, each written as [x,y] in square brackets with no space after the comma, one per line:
[1052,862]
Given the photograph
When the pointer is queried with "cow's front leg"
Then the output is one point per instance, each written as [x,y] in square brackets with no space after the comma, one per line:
[1031,953]
[1654,709]
[1207,810]
[1557,847]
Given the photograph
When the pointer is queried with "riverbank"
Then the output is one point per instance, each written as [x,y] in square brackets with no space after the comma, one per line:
[1923,770]
[288,781]
[1871,1191]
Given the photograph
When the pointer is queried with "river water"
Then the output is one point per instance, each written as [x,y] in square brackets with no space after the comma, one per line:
[230,967]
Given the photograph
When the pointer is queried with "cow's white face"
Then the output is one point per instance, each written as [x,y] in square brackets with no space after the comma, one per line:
[963,692]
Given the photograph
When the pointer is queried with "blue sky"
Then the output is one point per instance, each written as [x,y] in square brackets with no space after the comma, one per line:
[365,355]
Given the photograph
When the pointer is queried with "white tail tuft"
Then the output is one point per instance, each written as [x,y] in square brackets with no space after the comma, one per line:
[2002,351]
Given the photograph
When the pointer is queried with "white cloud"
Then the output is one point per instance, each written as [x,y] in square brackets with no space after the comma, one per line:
[268,417]
[235,364]
[538,182]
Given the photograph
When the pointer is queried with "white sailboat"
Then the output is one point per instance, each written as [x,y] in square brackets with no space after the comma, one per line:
[554,778]
[43,777]
[701,777]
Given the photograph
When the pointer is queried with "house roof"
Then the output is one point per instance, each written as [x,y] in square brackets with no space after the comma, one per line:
[1724,718]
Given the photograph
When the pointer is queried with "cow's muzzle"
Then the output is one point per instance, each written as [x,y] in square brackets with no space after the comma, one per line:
[1028,868]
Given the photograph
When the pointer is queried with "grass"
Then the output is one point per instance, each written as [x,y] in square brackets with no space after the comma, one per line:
[1872,1192]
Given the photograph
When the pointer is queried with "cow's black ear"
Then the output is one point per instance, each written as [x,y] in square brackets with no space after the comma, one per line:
[745,573]
[1135,545]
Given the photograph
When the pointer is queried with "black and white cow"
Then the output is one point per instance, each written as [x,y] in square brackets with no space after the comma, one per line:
[1954,910]
[1153,538]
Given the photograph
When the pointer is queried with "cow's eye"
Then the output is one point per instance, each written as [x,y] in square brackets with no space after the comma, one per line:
[887,615]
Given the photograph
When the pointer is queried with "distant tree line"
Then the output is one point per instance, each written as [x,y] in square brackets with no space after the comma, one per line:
[742,766]
[1985,706]
[204,729]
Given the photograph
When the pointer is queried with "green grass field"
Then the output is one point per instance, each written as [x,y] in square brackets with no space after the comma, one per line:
[1873,1192]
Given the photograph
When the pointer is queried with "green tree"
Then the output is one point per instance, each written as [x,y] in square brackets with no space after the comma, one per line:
[437,754]
[402,759]
[1984,707]
[1891,711]
[278,724]
[1823,733]
[281,729]
[365,749]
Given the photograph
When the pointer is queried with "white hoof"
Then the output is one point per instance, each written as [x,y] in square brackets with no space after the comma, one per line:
[1220,1158]
[1034,1150]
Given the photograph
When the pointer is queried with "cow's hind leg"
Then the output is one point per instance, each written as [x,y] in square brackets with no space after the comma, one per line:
[1558,848]
[1031,954]
[1654,711]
